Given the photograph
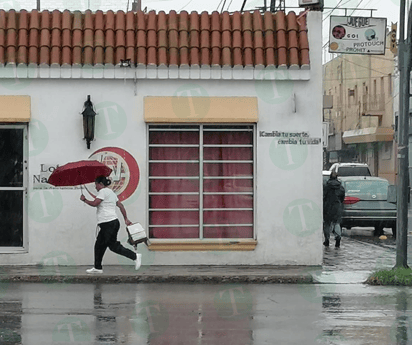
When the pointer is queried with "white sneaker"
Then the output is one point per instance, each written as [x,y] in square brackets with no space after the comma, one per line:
[138,261]
[94,270]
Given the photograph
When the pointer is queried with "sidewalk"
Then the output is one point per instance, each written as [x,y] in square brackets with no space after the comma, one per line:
[354,256]
[159,274]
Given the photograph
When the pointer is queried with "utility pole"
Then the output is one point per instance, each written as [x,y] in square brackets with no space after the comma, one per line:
[403,133]
[136,6]
[279,7]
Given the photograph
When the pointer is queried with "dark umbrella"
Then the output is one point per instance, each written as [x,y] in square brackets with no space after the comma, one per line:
[78,173]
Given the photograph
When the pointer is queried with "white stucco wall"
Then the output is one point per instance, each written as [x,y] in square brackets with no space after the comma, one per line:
[288,177]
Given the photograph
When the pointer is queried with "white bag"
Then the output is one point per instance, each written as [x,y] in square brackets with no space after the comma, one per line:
[136,234]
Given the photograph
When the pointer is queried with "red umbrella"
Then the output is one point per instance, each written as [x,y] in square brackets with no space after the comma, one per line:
[77,173]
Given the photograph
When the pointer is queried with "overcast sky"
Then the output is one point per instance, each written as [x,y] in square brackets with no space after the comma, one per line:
[384,8]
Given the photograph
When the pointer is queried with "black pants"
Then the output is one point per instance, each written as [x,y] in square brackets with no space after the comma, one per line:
[107,237]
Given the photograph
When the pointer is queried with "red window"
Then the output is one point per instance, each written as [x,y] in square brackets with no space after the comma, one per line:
[201,181]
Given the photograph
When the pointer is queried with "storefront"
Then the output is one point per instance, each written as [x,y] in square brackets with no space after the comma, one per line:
[375,146]
[221,163]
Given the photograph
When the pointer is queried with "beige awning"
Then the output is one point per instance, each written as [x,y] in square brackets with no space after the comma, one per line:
[368,135]
[14,108]
[201,109]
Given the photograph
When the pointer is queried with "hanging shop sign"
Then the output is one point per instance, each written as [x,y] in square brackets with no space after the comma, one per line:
[357,35]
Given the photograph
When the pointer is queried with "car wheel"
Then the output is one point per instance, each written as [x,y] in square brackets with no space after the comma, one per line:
[378,230]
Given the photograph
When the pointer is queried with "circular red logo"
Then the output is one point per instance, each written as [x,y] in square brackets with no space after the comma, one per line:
[125,174]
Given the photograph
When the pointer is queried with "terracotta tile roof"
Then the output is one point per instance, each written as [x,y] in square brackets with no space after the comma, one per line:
[158,39]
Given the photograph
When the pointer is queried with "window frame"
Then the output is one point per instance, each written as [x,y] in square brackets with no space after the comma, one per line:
[202,243]
[24,189]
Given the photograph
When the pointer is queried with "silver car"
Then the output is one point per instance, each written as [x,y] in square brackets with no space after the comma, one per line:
[366,204]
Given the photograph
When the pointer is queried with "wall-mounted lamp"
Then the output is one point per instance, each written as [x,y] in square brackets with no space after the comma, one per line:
[88,121]
[125,63]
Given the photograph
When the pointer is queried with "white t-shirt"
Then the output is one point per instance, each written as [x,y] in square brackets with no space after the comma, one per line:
[106,210]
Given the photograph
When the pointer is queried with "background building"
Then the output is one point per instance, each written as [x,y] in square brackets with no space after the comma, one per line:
[361,122]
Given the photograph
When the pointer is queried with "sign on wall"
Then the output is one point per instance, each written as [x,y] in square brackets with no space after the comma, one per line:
[357,35]
[125,175]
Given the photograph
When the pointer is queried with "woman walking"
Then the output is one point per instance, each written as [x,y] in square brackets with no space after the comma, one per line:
[106,202]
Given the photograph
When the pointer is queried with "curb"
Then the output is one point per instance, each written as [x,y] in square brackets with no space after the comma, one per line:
[301,279]
[159,274]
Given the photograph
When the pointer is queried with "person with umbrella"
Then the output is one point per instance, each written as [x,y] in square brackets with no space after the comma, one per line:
[105,202]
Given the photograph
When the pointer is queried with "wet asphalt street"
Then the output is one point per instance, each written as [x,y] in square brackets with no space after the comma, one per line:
[339,309]
[205,314]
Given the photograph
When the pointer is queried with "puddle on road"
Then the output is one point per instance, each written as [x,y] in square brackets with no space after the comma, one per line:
[340,277]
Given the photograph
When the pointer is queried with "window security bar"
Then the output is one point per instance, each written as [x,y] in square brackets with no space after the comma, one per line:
[227,177]
[226,130]
[196,225]
[174,177]
[225,225]
[4,188]
[174,145]
[172,161]
[228,193]
[173,130]
[172,209]
[227,145]
[197,209]
[228,209]
[174,226]
[227,161]
[174,193]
